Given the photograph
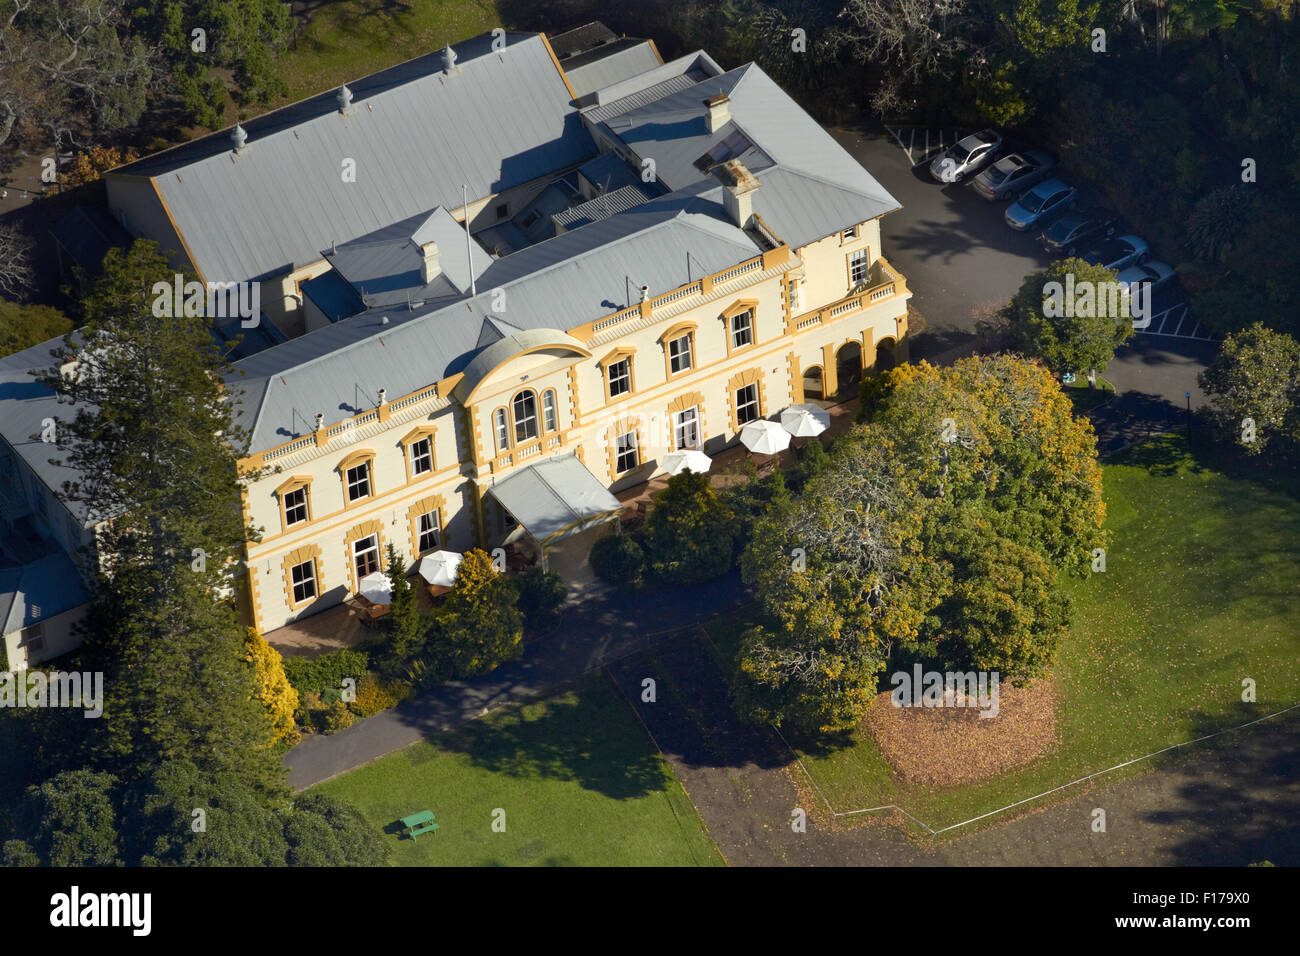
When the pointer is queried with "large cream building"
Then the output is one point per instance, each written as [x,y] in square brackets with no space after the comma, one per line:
[655,254]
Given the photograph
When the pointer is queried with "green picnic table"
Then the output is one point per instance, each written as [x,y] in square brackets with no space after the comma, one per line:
[418,823]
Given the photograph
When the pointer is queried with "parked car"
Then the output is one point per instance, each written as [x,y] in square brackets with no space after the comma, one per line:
[1065,236]
[966,157]
[1158,274]
[1118,253]
[1041,205]
[1012,175]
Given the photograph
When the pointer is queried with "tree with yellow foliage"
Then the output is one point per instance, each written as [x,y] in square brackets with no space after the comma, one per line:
[272,688]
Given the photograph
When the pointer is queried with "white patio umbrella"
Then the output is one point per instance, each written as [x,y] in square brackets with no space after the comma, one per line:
[764,437]
[376,588]
[805,421]
[439,568]
[677,462]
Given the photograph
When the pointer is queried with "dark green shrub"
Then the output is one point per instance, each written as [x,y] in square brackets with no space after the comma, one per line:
[618,559]
[540,595]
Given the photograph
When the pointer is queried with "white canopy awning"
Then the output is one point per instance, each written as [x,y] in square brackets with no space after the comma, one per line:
[556,498]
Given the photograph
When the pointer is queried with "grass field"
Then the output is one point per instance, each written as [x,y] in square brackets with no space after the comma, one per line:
[577,777]
[347,40]
[1201,591]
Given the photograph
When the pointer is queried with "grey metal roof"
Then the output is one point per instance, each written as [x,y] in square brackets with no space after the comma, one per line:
[488,360]
[574,278]
[87,233]
[580,39]
[608,171]
[416,136]
[673,84]
[24,405]
[38,590]
[811,187]
[600,68]
[604,206]
[384,266]
[555,498]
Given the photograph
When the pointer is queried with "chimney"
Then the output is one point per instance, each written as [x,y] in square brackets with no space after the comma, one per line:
[345,100]
[239,137]
[429,267]
[449,61]
[739,186]
[719,111]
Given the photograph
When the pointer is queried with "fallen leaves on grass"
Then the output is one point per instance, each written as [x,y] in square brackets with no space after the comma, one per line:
[944,746]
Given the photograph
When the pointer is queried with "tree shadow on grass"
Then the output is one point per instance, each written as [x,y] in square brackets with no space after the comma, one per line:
[585,736]
[1241,804]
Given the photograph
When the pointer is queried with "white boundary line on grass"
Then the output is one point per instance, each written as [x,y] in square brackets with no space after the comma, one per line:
[1009,806]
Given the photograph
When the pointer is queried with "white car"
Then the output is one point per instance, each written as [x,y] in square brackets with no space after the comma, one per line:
[965,158]
[1155,273]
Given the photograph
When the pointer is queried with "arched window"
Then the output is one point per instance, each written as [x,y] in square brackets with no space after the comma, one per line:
[525,412]
[548,411]
[503,434]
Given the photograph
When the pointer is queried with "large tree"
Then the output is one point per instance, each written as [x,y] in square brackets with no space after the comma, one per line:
[1254,388]
[935,532]
[70,70]
[1066,316]
[690,532]
[153,445]
[478,626]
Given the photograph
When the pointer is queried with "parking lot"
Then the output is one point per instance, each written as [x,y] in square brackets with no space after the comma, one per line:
[961,259]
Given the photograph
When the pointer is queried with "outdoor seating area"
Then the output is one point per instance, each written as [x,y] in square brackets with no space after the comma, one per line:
[418,823]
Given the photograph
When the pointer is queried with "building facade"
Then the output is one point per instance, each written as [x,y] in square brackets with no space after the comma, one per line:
[637,265]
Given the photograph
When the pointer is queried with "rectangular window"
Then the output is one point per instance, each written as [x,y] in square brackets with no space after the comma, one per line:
[686,428]
[742,329]
[365,553]
[422,456]
[295,506]
[303,578]
[33,638]
[428,532]
[848,235]
[747,404]
[859,267]
[359,481]
[548,410]
[503,210]
[620,377]
[626,459]
[503,433]
[679,353]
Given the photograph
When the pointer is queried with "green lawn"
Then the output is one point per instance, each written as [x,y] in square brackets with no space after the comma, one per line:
[576,774]
[1201,590]
[346,40]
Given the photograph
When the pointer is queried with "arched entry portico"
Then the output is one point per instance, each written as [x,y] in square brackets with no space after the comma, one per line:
[812,382]
[848,368]
[886,355]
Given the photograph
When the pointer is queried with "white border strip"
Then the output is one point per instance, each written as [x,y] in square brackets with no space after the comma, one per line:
[1009,806]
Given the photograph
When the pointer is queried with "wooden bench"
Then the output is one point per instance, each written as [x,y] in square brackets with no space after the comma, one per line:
[418,823]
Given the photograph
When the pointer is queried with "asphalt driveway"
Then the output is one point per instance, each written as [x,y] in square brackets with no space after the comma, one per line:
[959,258]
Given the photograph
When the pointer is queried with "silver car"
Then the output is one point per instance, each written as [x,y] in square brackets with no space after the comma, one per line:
[1012,175]
[1117,254]
[1153,273]
[966,157]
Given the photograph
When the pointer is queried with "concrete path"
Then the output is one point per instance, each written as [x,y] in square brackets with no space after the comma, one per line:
[607,625]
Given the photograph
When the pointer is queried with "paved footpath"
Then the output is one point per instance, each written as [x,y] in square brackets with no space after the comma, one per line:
[605,626]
